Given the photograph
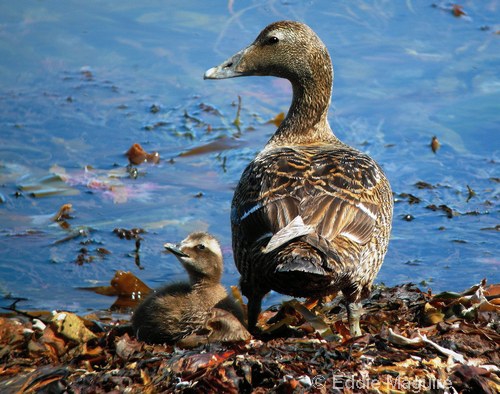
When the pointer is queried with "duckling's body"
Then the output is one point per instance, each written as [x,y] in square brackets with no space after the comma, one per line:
[310,215]
[182,309]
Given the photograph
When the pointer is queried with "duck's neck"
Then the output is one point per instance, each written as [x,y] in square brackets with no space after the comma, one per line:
[307,119]
[204,282]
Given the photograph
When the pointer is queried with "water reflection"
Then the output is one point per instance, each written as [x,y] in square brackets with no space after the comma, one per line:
[82,82]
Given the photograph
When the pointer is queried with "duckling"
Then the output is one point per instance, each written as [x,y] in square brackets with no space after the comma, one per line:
[219,326]
[310,215]
[185,309]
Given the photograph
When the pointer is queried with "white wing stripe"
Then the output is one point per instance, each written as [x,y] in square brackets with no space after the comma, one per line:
[366,210]
[250,211]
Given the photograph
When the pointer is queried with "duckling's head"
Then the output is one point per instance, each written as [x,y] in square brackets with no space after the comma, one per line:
[201,256]
[285,49]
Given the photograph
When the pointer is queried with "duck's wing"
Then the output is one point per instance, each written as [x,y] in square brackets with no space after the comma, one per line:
[334,192]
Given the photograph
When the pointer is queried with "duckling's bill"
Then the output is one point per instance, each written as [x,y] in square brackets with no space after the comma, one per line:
[230,68]
[174,249]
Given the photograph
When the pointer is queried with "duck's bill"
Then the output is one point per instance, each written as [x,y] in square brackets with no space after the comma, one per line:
[174,249]
[228,69]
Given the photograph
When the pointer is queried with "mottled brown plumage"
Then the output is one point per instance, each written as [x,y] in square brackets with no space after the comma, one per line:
[199,310]
[310,215]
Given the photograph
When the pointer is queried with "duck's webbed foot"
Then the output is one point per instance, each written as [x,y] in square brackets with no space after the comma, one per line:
[353,314]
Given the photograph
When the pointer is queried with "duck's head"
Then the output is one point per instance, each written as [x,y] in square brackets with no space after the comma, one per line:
[201,256]
[285,49]
[293,51]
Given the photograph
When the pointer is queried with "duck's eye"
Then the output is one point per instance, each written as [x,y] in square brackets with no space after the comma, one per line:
[272,40]
[200,246]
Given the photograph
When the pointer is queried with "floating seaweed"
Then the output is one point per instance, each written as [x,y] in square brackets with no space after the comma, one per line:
[127,287]
[137,155]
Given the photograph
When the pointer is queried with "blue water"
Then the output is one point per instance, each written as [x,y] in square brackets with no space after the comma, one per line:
[78,81]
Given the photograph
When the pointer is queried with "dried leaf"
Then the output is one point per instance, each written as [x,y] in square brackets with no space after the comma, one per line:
[235,292]
[313,320]
[126,283]
[342,329]
[277,119]
[435,145]
[54,346]
[63,213]
[11,333]
[137,155]
[72,327]
[191,362]
[148,387]
[35,381]
[492,291]
[128,287]
[218,145]
[126,347]
[432,315]
[85,351]
[457,10]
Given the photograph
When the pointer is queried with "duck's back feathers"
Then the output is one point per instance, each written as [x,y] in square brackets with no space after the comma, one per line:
[334,190]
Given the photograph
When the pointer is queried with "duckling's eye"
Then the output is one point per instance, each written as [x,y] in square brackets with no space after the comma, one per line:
[200,246]
[272,40]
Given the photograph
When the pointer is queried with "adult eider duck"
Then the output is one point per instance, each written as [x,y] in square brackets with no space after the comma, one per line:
[310,215]
[193,312]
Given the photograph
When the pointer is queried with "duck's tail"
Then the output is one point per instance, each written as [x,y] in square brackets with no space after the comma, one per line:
[304,267]
[309,253]
[301,270]
[301,249]
[300,259]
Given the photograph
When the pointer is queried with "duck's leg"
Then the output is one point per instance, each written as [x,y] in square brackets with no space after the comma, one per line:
[254,294]
[353,314]
[254,306]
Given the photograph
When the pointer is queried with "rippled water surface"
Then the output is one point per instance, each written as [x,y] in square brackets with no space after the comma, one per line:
[80,82]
